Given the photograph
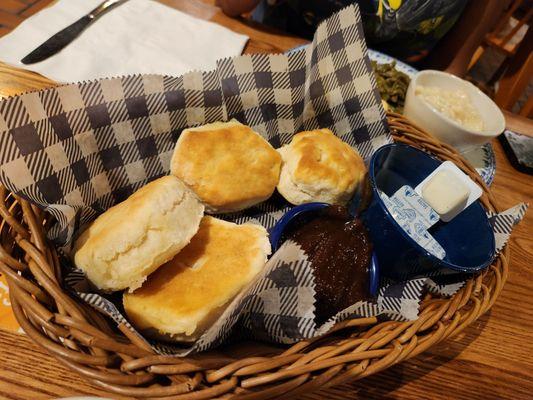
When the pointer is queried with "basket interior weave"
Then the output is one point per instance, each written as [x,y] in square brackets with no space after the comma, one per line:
[81,338]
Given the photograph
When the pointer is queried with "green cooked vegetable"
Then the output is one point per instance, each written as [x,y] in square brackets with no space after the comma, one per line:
[392,84]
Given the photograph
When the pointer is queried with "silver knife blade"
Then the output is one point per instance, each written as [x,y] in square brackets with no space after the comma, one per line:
[62,38]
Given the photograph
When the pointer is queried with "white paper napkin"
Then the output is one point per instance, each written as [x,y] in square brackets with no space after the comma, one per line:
[139,36]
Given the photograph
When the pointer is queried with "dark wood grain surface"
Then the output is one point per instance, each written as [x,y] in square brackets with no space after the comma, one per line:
[491,359]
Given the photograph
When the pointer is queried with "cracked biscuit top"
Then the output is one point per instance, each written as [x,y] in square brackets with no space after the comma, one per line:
[228,165]
[319,166]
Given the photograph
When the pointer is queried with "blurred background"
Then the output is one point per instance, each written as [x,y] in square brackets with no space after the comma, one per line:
[496,56]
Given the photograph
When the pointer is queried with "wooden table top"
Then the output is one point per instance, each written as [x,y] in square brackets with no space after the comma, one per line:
[491,359]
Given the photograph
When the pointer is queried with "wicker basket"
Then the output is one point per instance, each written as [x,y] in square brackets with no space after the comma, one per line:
[84,340]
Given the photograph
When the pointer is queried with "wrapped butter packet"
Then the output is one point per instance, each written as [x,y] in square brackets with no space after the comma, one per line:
[415,216]
[449,188]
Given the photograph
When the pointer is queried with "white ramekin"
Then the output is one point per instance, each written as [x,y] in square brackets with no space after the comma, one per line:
[443,127]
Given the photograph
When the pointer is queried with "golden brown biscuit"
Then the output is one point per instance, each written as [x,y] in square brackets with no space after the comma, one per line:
[185,296]
[132,239]
[228,165]
[318,166]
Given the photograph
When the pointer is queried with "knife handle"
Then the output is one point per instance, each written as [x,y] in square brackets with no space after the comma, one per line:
[103,7]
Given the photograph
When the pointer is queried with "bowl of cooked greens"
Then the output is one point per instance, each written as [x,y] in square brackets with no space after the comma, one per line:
[392,85]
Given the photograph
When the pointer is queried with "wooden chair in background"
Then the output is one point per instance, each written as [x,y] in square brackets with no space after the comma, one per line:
[501,37]
[515,73]
[454,52]
[498,25]
[516,78]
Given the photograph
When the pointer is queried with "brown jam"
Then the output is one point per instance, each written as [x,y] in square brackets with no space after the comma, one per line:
[339,249]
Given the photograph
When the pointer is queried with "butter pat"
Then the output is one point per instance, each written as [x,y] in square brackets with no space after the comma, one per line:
[448,191]
[446,194]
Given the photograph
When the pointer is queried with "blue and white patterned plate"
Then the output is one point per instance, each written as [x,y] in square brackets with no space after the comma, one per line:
[382,58]
[482,158]
[484,161]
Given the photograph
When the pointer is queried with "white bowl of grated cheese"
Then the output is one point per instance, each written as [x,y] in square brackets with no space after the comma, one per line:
[453,110]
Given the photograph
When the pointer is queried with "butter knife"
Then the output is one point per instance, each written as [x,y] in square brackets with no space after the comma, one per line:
[62,38]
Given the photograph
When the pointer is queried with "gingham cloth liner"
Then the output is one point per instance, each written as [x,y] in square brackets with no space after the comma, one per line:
[279,306]
[77,149]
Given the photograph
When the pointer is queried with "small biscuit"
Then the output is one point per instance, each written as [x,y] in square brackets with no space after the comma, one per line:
[228,165]
[185,296]
[318,166]
[132,239]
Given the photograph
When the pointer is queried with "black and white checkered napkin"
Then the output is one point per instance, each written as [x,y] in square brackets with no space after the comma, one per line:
[502,224]
[75,150]
[279,306]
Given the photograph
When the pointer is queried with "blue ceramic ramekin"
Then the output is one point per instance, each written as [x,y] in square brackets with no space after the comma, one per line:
[468,239]
[298,215]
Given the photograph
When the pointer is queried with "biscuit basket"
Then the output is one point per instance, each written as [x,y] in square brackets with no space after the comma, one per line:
[117,361]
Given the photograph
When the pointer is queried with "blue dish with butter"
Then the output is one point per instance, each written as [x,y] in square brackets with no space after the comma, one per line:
[467,239]
[305,214]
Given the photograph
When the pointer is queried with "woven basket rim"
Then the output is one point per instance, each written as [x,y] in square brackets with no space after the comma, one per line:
[82,339]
